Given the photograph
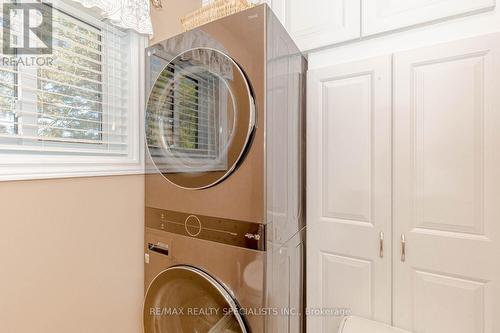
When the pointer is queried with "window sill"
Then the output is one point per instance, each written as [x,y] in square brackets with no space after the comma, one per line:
[51,171]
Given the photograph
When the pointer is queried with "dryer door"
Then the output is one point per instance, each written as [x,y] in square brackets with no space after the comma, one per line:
[184,299]
[200,118]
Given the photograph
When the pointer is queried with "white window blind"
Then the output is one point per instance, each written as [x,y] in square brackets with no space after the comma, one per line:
[79,104]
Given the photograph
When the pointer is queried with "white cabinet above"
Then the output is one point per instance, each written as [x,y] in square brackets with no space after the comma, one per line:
[385,15]
[315,24]
[318,23]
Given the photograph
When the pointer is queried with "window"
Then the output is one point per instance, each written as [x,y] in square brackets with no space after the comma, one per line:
[8,96]
[81,103]
[70,93]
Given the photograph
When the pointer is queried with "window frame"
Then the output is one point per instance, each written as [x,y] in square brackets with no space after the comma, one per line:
[15,165]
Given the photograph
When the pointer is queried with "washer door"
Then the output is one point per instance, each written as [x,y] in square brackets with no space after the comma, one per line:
[200,118]
[183,299]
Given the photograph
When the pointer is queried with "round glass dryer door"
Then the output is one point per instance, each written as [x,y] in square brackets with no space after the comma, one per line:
[200,118]
[183,299]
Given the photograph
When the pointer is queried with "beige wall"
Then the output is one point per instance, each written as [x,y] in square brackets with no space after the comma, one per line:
[166,20]
[71,255]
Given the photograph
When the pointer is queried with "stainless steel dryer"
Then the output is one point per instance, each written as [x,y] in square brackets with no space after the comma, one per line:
[225,130]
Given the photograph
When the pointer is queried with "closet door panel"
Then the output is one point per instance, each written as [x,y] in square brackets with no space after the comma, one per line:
[447,187]
[349,194]
[321,22]
[384,15]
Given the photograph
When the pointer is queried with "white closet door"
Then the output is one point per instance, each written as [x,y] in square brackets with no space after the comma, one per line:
[384,15]
[314,24]
[349,192]
[447,187]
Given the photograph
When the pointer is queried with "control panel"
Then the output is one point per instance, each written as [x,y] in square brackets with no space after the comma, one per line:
[232,232]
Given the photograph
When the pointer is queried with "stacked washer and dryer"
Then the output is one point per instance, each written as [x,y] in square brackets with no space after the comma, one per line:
[225,196]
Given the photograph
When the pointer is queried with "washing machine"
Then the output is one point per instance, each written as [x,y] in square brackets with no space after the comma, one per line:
[209,284]
[225,166]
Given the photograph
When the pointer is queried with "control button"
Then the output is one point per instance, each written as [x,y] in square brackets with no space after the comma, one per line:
[252,236]
[162,221]
[192,225]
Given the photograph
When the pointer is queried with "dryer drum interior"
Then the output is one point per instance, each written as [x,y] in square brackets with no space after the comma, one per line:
[200,118]
[186,299]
